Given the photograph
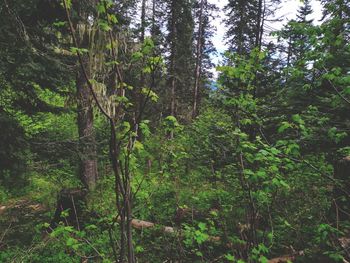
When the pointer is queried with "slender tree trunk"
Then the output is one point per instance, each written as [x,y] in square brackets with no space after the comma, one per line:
[240,43]
[153,25]
[198,68]
[118,186]
[128,206]
[172,64]
[262,25]
[143,20]
[153,15]
[173,95]
[258,25]
[258,38]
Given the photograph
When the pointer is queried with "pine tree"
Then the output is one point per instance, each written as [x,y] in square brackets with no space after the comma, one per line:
[297,36]
[180,62]
[204,48]
[245,22]
[240,26]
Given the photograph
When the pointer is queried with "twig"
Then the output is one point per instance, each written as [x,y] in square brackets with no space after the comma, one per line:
[75,212]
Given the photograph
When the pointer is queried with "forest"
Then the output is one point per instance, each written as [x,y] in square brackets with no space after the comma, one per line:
[125,139]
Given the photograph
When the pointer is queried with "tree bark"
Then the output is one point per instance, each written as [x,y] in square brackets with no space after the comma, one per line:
[258,25]
[85,117]
[143,20]
[88,156]
[172,63]
[72,200]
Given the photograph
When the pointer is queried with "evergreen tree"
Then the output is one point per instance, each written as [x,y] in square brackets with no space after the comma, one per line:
[240,26]
[297,36]
[28,43]
[245,22]
[203,50]
[180,62]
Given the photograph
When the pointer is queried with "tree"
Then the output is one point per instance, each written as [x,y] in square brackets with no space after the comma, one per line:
[114,103]
[204,48]
[245,21]
[88,158]
[180,39]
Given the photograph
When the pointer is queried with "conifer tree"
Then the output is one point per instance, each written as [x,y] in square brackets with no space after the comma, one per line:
[203,49]
[180,62]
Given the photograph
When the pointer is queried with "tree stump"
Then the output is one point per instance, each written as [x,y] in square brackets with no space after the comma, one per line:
[72,201]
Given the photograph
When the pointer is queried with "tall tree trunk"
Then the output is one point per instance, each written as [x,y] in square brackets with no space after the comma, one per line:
[198,62]
[88,157]
[262,25]
[172,63]
[258,38]
[240,39]
[153,16]
[143,20]
[258,25]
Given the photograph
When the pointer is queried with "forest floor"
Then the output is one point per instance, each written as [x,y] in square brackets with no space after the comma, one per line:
[20,219]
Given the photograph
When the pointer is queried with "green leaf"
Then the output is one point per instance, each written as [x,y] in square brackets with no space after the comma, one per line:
[199,254]
[104,26]
[200,237]
[76,50]
[144,128]
[261,174]
[202,226]
[262,55]
[71,241]
[59,24]
[150,94]
[285,125]
[230,257]
[137,55]
[65,213]
[68,3]
[91,227]
[138,146]
[297,118]
[101,8]
[112,18]
[347,90]
[139,249]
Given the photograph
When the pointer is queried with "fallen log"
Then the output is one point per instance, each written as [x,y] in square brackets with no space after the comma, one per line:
[140,224]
